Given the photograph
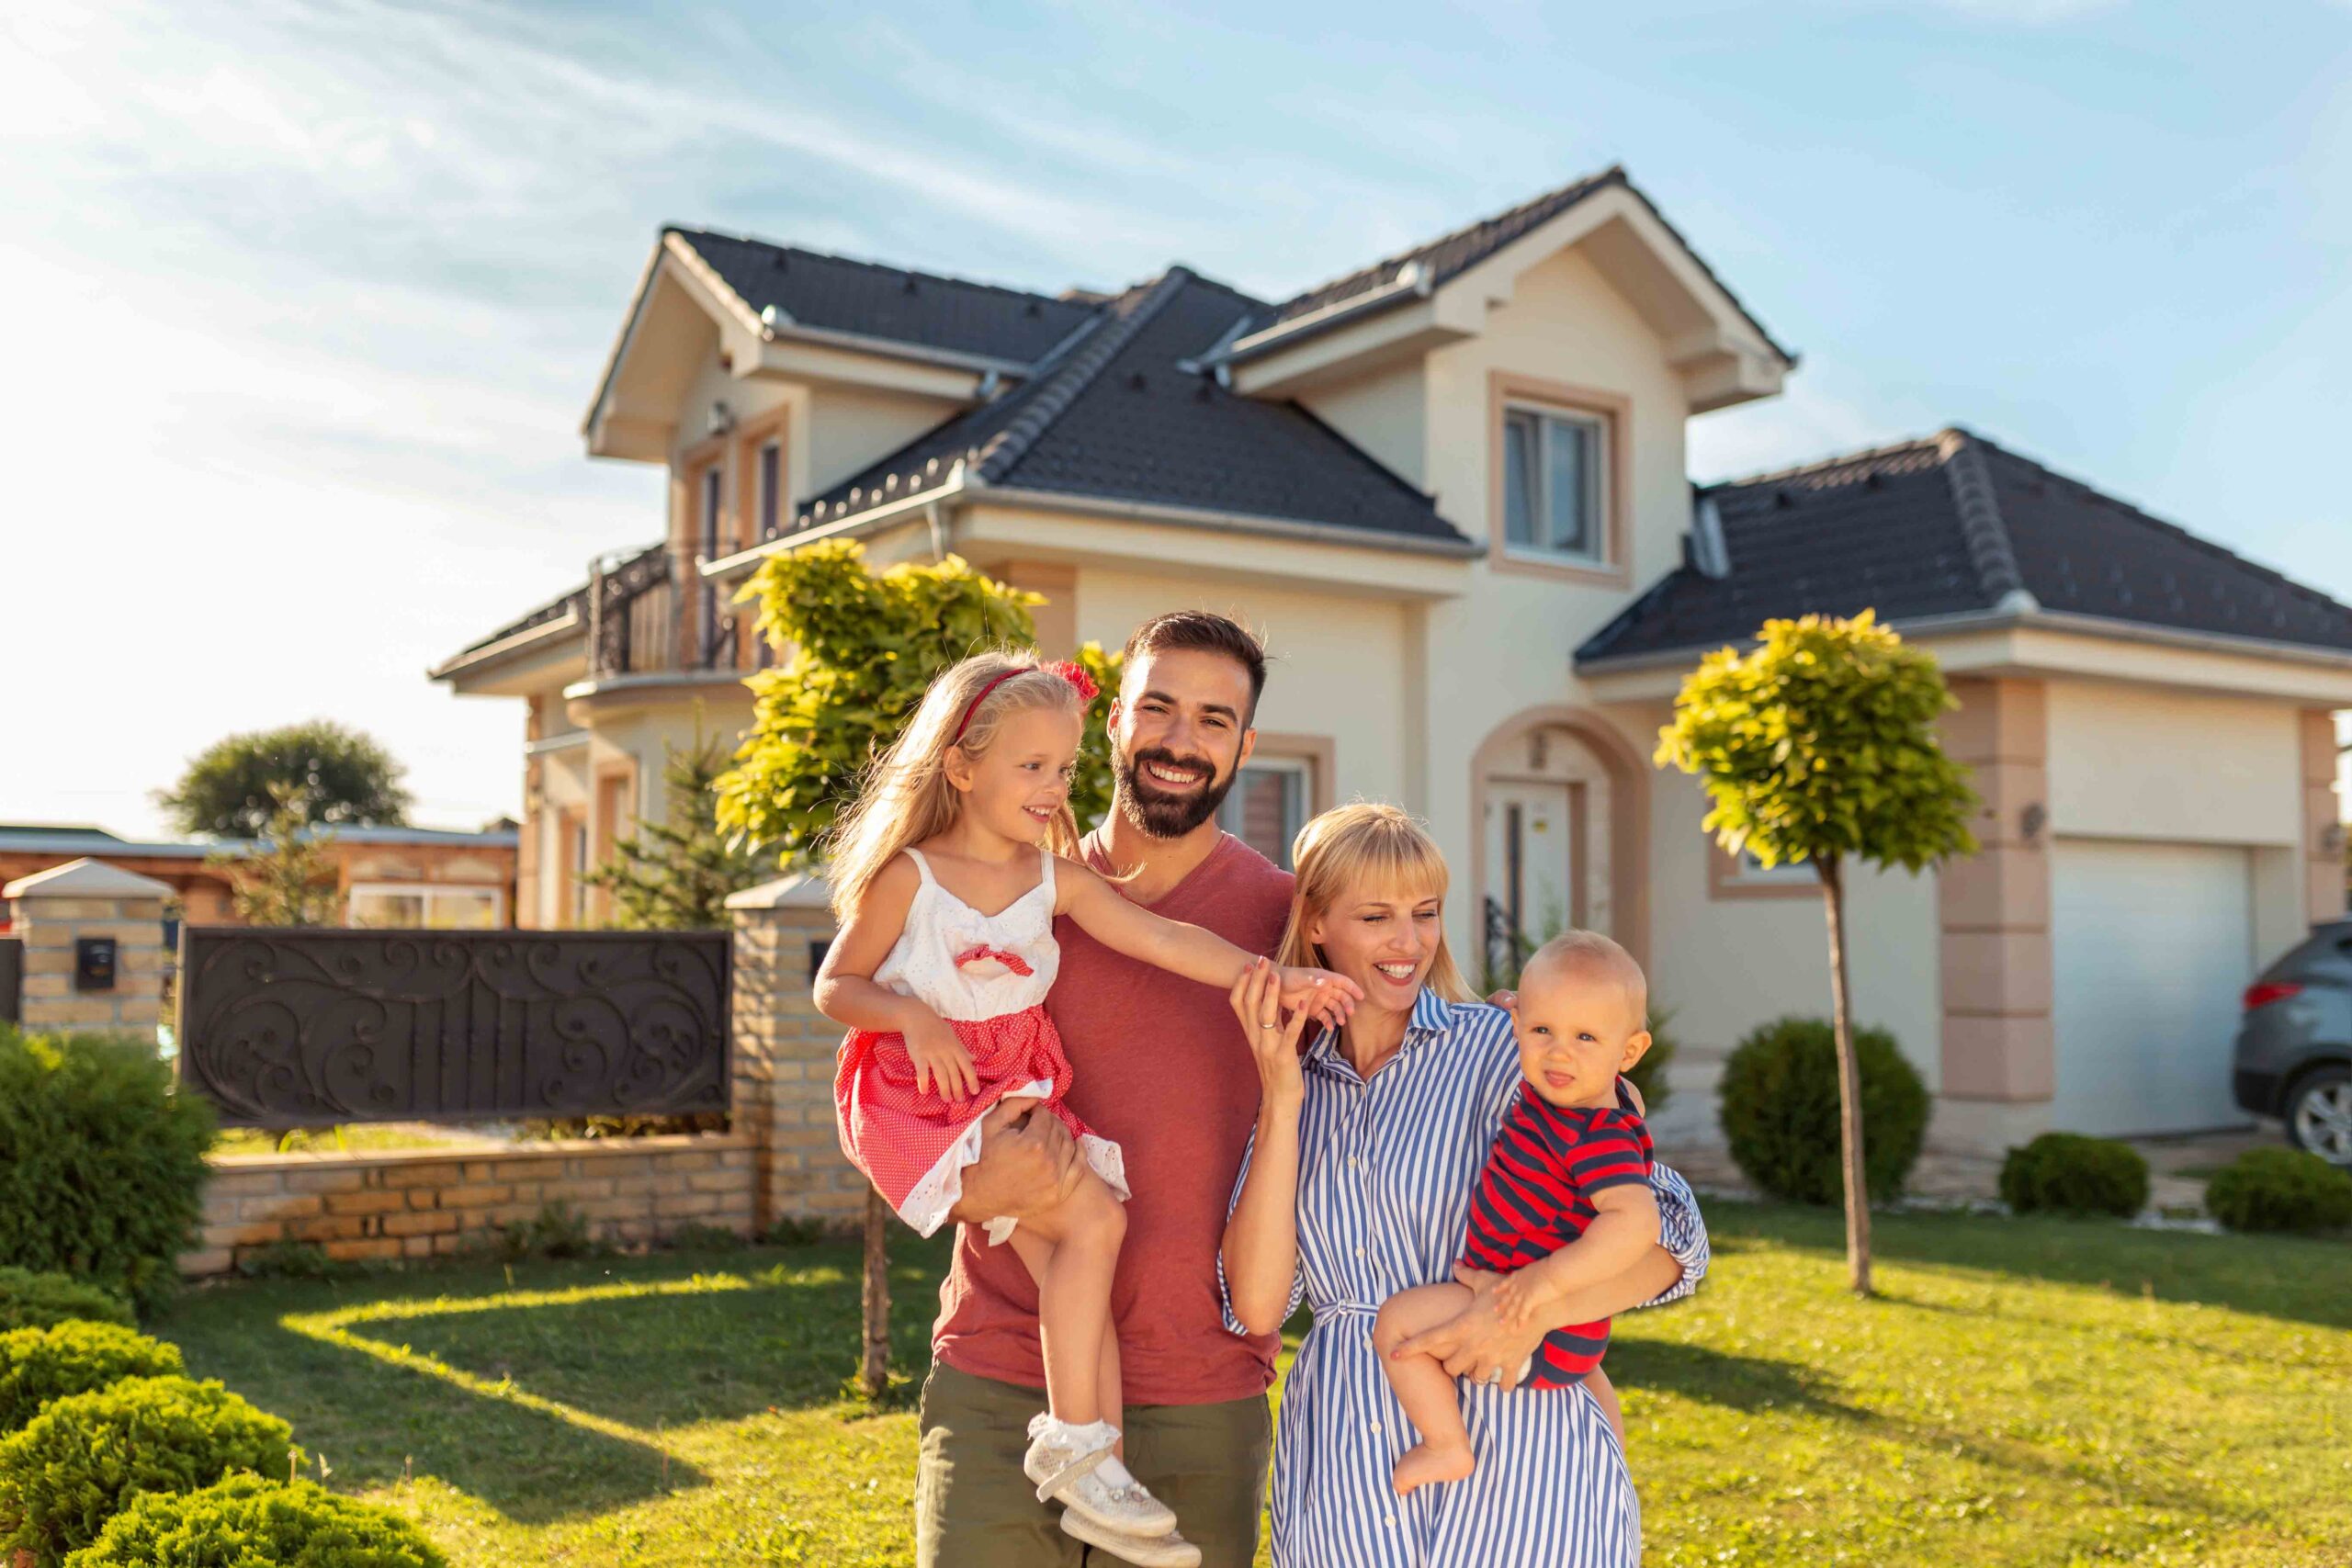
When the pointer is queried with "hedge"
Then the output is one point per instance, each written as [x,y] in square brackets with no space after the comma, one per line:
[1780,1112]
[2280,1190]
[102,1166]
[247,1520]
[38,1365]
[2072,1174]
[30,1300]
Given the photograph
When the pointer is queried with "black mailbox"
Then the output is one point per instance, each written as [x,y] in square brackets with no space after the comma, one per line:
[94,963]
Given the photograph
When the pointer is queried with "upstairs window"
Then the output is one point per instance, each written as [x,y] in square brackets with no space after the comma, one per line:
[1555,485]
[771,480]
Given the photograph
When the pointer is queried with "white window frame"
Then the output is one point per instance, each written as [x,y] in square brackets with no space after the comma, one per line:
[1746,870]
[471,890]
[1597,426]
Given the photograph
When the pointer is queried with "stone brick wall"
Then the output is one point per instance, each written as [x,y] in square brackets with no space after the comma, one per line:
[785,1051]
[83,899]
[429,1203]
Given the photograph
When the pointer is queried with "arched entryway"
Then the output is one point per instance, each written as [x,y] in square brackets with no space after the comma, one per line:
[1559,816]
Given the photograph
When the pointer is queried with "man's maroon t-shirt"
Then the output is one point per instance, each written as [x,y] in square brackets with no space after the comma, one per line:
[1163,1070]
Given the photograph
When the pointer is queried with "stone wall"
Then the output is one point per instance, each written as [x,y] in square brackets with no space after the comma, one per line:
[57,909]
[431,1202]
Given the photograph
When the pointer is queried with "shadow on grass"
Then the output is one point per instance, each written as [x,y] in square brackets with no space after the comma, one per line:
[2292,1279]
[544,1390]
[1749,1383]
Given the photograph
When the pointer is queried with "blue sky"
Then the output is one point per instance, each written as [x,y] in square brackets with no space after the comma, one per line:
[307,299]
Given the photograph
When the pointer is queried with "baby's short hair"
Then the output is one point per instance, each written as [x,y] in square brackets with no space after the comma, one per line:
[1590,955]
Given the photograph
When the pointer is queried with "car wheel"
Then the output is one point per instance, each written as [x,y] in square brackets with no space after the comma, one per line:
[2319,1115]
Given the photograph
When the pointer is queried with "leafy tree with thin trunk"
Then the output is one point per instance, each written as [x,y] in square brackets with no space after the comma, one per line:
[346,779]
[675,875]
[288,878]
[856,650]
[1820,744]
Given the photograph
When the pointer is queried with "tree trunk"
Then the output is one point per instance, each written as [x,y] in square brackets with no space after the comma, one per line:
[874,1375]
[1850,1085]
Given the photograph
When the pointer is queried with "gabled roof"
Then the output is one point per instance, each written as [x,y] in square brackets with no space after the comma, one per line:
[863,298]
[1123,413]
[1954,525]
[1430,266]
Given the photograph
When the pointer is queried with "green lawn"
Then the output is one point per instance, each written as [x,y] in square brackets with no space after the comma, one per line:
[2025,1392]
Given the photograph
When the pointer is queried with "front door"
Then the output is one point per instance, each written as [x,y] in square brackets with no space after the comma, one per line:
[1531,877]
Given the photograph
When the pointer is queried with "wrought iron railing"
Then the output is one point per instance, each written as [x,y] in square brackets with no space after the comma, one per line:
[293,1028]
[642,620]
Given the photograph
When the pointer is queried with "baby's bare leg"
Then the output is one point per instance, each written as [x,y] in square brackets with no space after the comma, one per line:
[1422,1387]
[1070,1250]
[1606,1393]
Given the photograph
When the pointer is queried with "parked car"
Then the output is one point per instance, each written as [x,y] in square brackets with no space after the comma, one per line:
[2294,1049]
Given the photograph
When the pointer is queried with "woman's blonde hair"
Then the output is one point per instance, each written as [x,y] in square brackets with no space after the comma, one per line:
[1361,845]
[906,797]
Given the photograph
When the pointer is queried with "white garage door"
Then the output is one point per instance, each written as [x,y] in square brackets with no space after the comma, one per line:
[2151,945]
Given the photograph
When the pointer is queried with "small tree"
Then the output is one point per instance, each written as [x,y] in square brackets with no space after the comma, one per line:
[1820,746]
[857,650]
[288,879]
[231,789]
[675,875]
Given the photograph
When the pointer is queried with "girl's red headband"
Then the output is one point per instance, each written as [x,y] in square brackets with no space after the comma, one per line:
[1080,680]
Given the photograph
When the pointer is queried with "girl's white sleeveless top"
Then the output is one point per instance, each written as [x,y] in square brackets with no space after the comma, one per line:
[964,965]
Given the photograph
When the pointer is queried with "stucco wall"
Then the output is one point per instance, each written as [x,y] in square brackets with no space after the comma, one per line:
[2142,762]
[1726,965]
[1385,411]
[1339,665]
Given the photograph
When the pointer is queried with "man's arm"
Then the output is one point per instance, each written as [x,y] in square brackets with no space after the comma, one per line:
[1027,1165]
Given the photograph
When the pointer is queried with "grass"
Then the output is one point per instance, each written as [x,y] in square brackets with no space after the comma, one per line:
[2024,1392]
[357,1137]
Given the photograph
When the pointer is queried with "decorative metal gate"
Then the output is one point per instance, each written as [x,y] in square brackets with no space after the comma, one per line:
[290,1028]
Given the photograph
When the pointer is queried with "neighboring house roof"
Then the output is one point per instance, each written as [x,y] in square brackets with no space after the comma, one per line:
[1436,263]
[869,300]
[1123,413]
[1956,525]
[40,841]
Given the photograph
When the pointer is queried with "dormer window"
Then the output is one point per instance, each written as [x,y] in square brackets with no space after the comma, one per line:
[1559,476]
[1553,472]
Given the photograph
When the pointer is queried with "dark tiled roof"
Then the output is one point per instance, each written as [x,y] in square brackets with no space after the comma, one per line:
[837,294]
[1954,525]
[1119,415]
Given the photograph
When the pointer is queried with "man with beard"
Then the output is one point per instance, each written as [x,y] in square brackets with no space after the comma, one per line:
[1161,1068]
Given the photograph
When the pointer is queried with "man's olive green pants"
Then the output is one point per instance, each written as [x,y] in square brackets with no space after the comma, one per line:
[974,1509]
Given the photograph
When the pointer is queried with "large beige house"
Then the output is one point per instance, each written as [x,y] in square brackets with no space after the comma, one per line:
[1451,489]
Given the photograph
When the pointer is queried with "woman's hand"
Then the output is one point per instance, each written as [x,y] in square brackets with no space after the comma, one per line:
[1330,998]
[1273,1042]
[942,1065]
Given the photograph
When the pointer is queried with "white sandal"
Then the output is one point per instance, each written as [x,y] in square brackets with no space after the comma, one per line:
[1060,1454]
[1169,1550]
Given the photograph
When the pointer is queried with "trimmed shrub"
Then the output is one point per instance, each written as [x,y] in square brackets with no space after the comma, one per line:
[2280,1190]
[101,1165]
[1778,1111]
[2072,1174]
[85,1458]
[246,1519]
[28,1300]
[38,1365]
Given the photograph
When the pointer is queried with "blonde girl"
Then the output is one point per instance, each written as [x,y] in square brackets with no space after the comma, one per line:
[947,875]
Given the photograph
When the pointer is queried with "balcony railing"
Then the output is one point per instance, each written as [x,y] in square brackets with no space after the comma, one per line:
[641,620]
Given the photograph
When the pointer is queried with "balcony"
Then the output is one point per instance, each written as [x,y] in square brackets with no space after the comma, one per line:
[643,621]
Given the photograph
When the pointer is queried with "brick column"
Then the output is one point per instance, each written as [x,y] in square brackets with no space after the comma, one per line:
[785,1051]
[1999,1061]
[57,907]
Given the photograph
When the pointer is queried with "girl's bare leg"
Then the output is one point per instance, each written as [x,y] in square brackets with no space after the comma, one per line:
[1422,1387]
[1070,1250]
[1108,1393]
[1606,1393]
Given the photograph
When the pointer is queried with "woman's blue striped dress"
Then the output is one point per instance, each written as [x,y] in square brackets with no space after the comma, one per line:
[1385,1171]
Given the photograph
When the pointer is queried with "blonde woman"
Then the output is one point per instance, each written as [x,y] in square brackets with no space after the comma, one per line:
[1357,1185]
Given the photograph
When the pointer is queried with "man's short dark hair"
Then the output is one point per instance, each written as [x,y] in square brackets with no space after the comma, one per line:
[1210,634]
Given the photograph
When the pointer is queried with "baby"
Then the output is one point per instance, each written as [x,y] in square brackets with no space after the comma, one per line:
[1571,1164]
